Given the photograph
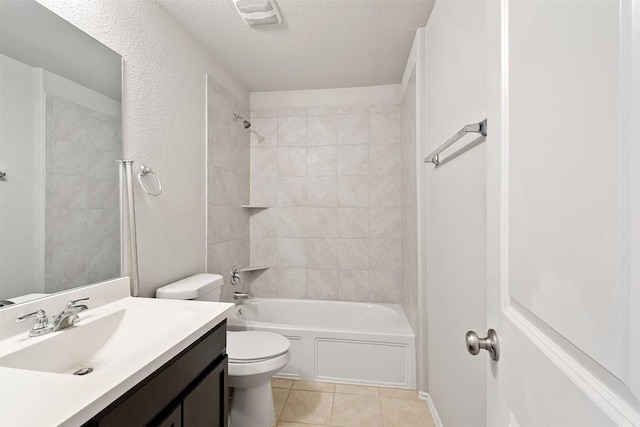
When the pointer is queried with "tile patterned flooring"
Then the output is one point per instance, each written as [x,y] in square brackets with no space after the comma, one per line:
[316,404]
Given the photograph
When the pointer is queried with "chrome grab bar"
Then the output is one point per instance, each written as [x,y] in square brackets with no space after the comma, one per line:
[434,156]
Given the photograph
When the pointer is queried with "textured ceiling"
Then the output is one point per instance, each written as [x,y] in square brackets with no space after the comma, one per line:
[320,43]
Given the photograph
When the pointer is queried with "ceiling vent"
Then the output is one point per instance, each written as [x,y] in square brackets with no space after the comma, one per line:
[258,12]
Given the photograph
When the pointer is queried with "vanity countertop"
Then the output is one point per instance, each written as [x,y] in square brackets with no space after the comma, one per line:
[30,397]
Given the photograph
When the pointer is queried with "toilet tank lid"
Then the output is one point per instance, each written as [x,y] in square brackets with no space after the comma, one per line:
[192,287]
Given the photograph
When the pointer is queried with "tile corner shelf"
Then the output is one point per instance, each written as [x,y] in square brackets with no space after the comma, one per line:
[254,207]
[254,268]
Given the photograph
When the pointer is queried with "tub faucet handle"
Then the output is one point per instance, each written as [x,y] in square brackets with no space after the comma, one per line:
[234,277]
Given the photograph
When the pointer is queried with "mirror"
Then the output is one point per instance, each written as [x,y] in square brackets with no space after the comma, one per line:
[60,137]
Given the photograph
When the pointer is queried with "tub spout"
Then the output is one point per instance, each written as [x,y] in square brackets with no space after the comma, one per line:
[240,297]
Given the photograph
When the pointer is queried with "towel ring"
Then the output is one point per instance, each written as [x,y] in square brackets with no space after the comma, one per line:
[145,171]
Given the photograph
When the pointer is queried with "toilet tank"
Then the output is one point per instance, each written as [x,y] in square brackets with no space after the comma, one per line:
[201,287]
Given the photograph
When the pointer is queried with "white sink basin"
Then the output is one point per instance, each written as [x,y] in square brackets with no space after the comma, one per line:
[123,339]
[97,342]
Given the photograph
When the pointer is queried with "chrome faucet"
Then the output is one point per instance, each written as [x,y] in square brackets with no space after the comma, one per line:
[64,319]
[42,323]
[69,316]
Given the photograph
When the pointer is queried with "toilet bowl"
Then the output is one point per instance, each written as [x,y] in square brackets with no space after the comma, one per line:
[254,357]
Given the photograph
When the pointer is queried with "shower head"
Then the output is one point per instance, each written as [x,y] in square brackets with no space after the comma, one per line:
[244,121]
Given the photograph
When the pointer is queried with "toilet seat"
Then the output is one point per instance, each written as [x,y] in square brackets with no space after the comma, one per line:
[255,346]
[254,354]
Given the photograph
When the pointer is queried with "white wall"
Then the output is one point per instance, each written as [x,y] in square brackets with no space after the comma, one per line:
[21,192]
[414,239]
[164,125]
[456,218]
[336,97]
[54,84]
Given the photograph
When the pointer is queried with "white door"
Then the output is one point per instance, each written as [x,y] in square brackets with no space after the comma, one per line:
[564,212]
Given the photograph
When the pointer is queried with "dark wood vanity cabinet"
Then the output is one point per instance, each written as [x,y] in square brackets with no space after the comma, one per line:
[188,391]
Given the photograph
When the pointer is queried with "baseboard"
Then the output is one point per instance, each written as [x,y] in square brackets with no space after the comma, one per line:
[423,395]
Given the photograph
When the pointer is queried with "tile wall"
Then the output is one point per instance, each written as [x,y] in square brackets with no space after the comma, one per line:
[82,240]
[331,178]
[227,187]
[409,279]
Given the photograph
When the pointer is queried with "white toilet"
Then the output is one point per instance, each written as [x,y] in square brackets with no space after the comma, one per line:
[254,357]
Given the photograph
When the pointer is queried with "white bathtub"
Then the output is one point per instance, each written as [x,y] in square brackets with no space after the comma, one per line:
[343,342]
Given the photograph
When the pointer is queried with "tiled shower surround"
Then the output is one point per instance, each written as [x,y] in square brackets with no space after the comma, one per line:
[82,242]
[227,186]
[331,178]
[409,280]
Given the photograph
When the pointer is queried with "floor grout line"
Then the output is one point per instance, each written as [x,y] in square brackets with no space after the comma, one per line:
[333,397]
[333,402]
[284,405]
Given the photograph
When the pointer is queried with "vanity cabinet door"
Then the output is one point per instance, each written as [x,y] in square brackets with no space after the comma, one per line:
[174,419]
[205,405]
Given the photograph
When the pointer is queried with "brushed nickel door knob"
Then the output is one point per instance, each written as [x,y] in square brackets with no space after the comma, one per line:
[490,343]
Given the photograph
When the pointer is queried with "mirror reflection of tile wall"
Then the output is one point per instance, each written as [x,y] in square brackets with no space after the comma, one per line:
[82,243]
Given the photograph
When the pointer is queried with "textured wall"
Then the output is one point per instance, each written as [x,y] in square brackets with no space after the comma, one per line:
[163,125]
[456,203]
[332,179]
[227,187]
